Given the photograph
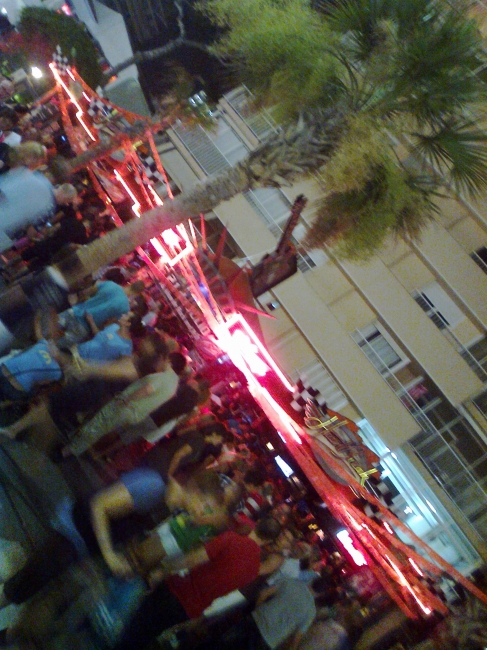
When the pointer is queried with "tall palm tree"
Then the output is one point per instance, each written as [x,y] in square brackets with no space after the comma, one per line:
[378,96]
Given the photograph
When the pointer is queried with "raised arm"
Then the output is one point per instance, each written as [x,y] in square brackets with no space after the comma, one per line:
[111,503]
[177,458]
[122,368]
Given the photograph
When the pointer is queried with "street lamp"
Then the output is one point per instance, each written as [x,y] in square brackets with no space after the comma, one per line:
[36,72]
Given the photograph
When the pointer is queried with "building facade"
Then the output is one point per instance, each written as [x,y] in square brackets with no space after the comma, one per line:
[397,344]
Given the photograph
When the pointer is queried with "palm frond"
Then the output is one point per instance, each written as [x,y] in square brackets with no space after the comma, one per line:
[359,21]
[458,150]
[356,223]
[432,72]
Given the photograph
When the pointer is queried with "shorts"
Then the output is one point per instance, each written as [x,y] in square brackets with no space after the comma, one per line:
[168,541]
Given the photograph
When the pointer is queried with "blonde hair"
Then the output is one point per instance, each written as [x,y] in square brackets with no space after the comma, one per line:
[30,154]
[66,191]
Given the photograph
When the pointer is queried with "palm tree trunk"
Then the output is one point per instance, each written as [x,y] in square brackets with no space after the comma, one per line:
[301,148]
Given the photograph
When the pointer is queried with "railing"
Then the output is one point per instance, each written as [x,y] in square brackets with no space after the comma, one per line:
[259,122]
[202,148]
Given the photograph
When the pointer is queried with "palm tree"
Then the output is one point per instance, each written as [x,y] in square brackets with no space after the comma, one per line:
[350,81]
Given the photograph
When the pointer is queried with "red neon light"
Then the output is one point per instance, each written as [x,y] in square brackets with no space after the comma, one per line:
[405,583]
[415,566]
[184,253]
[155,195]
[136,205]
[388,528]
[347,542]
[170,237]
[249,352]
[238,319]
[73,99]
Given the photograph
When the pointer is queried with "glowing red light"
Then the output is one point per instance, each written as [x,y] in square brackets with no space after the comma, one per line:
[238,319]
[170,237]
[249,351]
[355,554]
[415,566]
[136,205]
[73,99]
[388,528]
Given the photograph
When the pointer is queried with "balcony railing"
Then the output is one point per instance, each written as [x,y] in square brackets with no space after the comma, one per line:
[259,122]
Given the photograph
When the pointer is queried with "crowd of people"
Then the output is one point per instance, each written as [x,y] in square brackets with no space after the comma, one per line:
[195,531]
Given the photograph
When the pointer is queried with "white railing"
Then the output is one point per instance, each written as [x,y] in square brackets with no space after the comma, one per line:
[259,122]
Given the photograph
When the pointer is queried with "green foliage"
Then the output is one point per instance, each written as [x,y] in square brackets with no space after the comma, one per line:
[42,30]
[395,71]
[357,222]
[457,148]
[281,49]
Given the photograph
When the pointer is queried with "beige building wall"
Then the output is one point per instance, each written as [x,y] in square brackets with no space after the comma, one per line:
[406,321]
[455,269]
[352,370]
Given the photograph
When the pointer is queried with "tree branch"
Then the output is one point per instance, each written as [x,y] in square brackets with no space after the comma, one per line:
[150,55]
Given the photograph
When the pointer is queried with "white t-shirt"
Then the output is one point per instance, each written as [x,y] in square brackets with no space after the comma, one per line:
[289,611]
[12,139]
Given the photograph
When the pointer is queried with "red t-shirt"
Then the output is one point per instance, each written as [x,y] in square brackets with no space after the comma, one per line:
[234,563]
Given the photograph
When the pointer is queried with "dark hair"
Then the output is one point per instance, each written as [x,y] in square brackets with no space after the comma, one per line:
[268,529]
[114,275]
[148,363]
[139,306]
[137,328]
[218,428]
[326,594]
[137,287]
[255,475]
[209,483]
[178,362]
[10,114]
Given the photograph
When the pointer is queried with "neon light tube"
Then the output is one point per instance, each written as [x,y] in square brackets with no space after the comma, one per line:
[73,99]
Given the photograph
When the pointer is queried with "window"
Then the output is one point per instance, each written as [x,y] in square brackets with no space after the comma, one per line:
[480,257]
[214,151]
[438,306]
[381,351]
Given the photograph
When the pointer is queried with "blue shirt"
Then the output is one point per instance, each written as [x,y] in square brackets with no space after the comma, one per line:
[109,301]
[107,345]
[33,366]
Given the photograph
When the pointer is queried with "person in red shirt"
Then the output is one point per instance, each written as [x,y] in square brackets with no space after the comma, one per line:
[225,563]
